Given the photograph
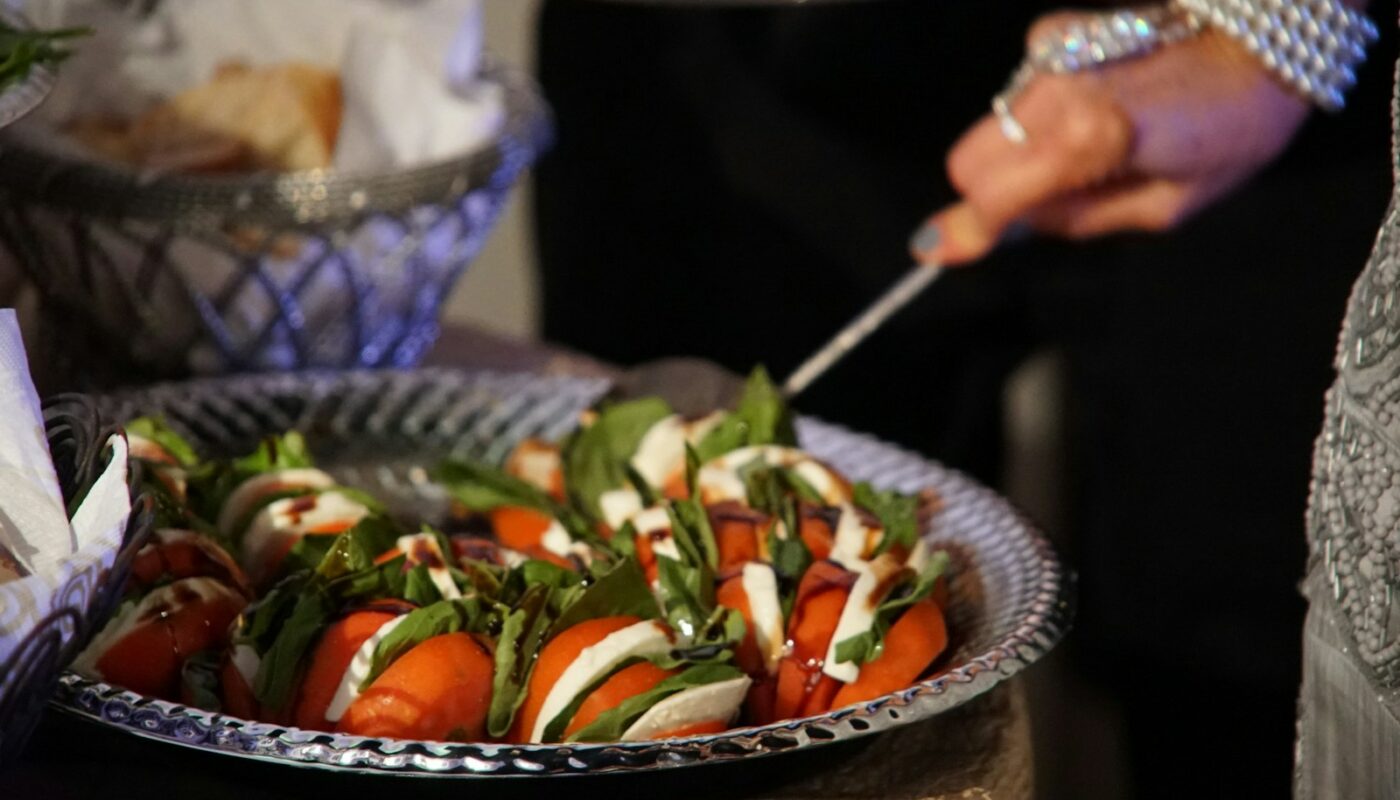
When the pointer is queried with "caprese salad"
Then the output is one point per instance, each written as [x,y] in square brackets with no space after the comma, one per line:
[649,577]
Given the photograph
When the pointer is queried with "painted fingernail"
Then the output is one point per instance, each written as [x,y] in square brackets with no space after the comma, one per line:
[926,238]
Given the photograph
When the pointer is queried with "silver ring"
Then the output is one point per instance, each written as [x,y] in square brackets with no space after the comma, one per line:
[1011,127]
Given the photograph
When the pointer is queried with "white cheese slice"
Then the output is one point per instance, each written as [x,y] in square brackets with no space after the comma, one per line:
[249,493]
[594,663]
[661,451]
[535,463]
[144,612]
[287,519]
[720,480]
[766,611]
[707,703]
[357,670]
[853,539]
[618,506]
[919,556]
[438,572]
[858,615]
[557,540]
[247,661]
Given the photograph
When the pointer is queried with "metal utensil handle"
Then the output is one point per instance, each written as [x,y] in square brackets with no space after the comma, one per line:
[887,305]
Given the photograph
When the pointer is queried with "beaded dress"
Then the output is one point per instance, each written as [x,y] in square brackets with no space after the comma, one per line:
[1349,710]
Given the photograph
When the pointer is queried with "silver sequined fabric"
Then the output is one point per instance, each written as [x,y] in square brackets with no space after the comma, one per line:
[1349,722]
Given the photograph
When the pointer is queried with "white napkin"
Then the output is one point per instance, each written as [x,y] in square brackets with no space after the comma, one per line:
[408,68]
[65,562]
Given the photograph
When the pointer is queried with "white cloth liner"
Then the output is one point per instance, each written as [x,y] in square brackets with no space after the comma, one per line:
[34,526]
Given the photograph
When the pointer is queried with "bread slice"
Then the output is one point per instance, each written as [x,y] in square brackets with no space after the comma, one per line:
[281,118]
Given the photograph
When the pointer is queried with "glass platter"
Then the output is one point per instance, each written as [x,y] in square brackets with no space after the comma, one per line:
[1010,598]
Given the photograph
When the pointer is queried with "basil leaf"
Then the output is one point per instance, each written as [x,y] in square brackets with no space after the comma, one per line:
[422,624]
[622,590]
[212,483]
[522,634]
[262,619]
[419,588]
[716,643]
[199,679]
[789,557]
[155,429]
[483,488]
[281,664]
[687,595]
[769,487]
[554,729]
[694,535]
[763,417]
[595,458]
[868,645]
[898,513]
[613,723]
[355,549]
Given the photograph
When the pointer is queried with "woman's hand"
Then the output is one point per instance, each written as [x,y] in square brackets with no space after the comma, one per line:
[1137,145]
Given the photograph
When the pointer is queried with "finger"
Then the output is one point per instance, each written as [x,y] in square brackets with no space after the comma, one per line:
[1077,137]
[1145,205]
[953,236]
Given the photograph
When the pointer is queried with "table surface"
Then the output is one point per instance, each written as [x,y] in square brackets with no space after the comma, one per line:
[978,751]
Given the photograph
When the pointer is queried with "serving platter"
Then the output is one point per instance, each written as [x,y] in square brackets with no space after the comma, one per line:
[381,431]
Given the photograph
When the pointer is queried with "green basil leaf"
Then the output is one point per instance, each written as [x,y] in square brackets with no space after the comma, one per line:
[155,429]
[595,458]
[867,646]
[355,549]
[763,417]
[419,588]
[613,723]
[263,619]
[687,595]
[898,513]
[482,488]
[281,664]
[790,557]
[622,590]
[554,729]
[422,624]
[522,634]
[694,535]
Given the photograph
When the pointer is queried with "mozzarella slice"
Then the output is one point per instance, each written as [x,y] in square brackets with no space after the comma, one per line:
[154,606]
[766,611]
[655,524]
[280,523]
[919,556]
[556,539]
[720,479]
[596,662]
[853,540]
[423,548]
[660,454]
[619,506]
[858,615]
[252,491]
[247,661]
[661,451]
[536,463]
[712,701]
[357,670]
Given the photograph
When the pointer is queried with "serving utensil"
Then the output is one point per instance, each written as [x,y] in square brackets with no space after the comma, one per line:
[696,385]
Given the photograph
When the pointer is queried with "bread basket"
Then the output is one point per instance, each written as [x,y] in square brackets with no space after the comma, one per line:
[145,276]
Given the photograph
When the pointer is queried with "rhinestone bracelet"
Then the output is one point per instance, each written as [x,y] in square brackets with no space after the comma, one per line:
[1313,46]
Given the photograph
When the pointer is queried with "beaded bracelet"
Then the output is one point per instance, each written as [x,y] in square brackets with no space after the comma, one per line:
[1313,46]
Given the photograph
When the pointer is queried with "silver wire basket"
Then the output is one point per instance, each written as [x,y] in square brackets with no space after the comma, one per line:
[145,276]
[78,436]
